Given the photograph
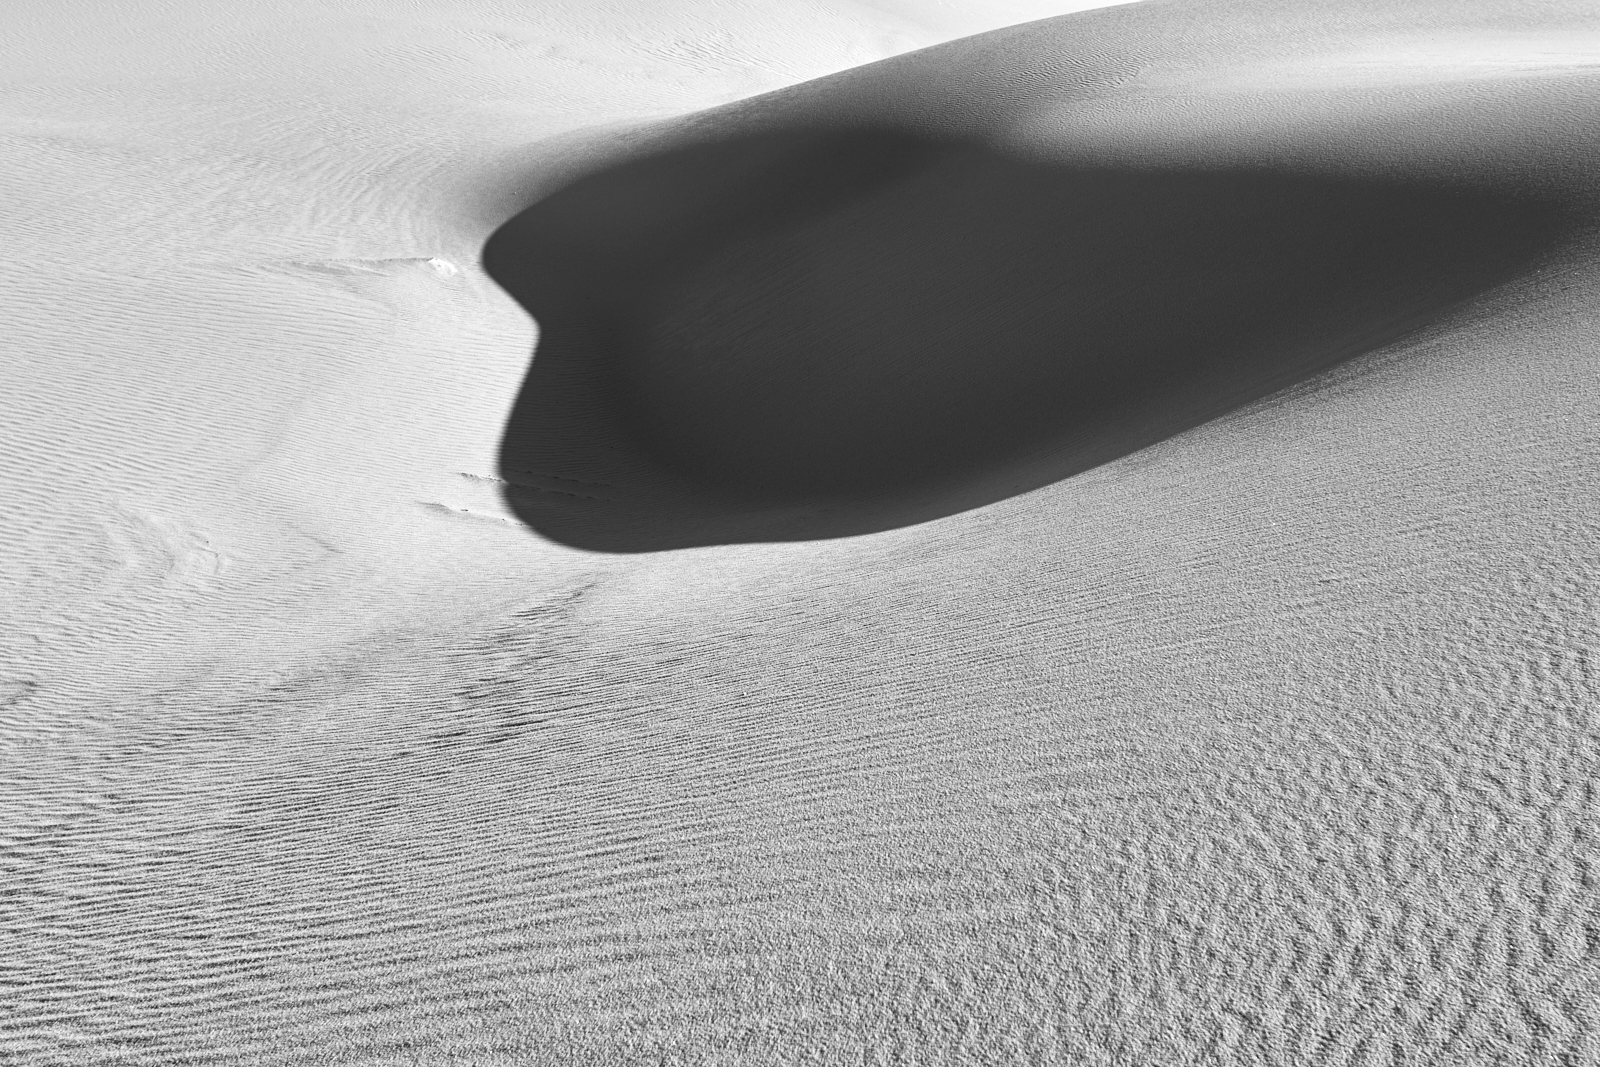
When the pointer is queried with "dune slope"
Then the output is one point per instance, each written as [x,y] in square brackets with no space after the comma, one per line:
[812,332]
[1272,740]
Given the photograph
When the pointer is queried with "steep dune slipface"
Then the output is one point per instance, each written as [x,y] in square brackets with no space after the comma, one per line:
[801,331]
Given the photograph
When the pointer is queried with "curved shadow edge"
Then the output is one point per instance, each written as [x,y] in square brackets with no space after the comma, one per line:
[821,333]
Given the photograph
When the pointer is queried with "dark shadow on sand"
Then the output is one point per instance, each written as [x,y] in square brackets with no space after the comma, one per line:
[818,334]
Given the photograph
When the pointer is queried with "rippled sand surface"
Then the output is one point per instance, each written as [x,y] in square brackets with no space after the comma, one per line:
[826,532]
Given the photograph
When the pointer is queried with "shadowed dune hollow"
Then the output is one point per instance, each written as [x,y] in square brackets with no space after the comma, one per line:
[818,333]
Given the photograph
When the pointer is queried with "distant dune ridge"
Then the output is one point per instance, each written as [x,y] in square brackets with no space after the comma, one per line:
[884,297]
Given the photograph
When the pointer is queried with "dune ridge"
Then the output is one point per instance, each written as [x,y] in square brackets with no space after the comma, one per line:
[922,286]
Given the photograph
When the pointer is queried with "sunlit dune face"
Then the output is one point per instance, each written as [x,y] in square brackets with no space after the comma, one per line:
[1439,59]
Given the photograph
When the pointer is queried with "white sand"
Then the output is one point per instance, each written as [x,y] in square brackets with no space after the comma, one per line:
[1269,742]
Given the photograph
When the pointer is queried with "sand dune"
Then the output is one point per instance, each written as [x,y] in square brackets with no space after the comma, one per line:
[901,292]
[836,531]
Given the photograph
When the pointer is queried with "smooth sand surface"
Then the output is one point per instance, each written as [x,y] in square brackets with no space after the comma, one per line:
[756,533]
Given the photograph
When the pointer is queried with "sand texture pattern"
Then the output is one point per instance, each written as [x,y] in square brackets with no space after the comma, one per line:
[826,532]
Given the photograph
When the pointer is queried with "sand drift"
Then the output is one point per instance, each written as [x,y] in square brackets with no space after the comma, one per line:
[1137,478]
